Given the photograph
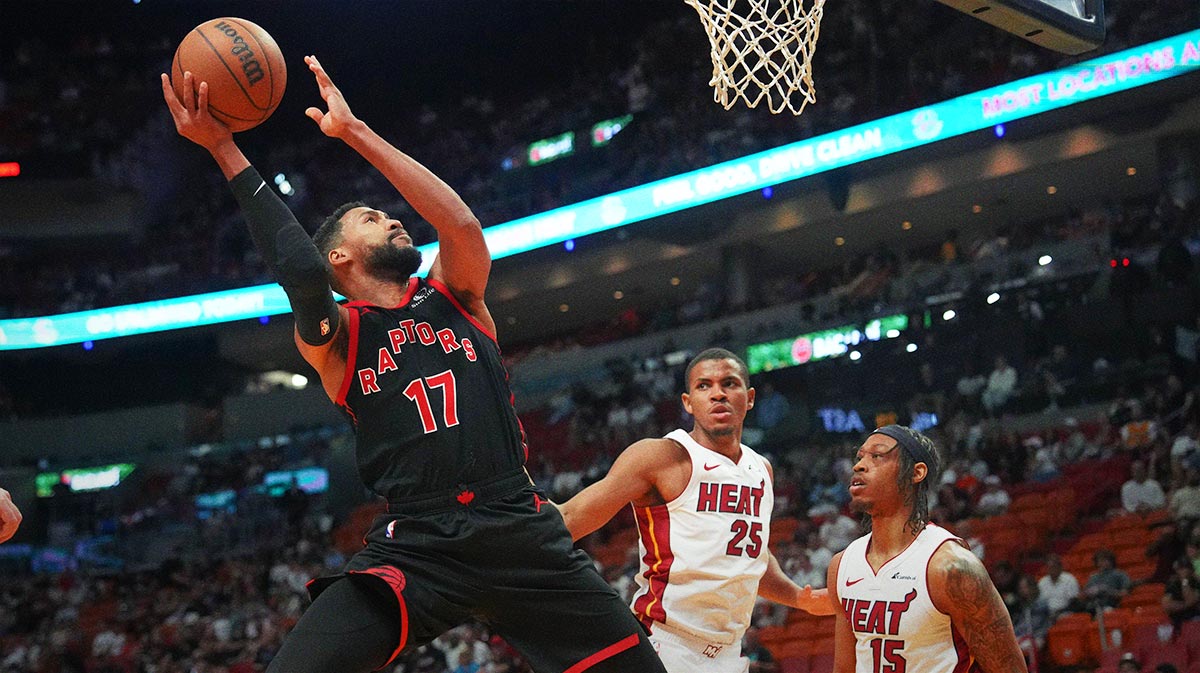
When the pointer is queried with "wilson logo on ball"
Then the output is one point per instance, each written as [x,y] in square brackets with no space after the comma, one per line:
[242,66]
[250,65]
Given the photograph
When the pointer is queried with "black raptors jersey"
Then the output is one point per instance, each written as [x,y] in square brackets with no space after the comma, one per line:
[428,396]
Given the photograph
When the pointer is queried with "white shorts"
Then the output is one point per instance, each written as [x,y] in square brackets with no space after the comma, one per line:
[683,653]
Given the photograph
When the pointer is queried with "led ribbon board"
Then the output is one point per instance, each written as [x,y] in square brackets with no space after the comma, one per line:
[83,479]
[822,345]
[1085,81]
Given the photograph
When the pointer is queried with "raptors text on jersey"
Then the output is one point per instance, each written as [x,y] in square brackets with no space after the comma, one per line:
[428,396]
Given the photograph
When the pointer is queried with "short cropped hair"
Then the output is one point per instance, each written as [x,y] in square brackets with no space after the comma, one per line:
[716,354]
[329,234]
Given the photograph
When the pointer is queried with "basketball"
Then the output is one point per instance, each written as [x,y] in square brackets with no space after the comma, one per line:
[243,66]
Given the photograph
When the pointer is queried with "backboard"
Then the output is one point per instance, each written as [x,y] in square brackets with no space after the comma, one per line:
[1067,26]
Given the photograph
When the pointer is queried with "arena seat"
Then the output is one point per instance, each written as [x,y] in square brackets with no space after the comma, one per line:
[1066,641]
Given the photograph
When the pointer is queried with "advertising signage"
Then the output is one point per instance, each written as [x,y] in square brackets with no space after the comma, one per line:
[1085,81]
[822,345]
[85,479]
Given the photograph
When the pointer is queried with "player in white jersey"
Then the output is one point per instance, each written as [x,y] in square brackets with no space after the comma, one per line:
[911,595]
[702,501]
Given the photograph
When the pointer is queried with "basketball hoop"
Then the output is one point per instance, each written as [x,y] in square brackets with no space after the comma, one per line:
[762,49]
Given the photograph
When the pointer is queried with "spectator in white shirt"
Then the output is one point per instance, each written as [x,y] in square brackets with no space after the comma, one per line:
[1185,501]
[995,500]
[838,532]
[1141,493]
[804,574]
[818,555]
[1000,385]
[1057,587]
[1185,444]
[970,384]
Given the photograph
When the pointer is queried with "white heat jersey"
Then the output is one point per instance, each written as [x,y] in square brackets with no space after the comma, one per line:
[703,553]
[896,626]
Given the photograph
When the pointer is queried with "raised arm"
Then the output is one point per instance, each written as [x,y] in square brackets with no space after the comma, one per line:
[284,245]
[463,261]
[960,587]
[634,477]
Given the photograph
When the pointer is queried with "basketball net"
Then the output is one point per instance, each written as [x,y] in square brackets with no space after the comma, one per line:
[762,49]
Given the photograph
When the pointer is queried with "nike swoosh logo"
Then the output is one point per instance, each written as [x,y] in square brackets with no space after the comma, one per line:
[851,583]
[708,467]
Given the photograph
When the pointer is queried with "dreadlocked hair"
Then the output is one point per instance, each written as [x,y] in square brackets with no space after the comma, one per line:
[917,495]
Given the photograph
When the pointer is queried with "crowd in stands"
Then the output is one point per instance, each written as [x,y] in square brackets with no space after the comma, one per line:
[222,599]
[874,60]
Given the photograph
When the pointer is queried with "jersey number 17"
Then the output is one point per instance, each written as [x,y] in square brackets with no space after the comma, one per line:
[416,391]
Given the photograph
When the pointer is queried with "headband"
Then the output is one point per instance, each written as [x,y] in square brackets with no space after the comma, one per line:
[906,441]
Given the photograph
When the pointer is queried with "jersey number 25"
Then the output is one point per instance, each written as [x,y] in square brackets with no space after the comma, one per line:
[750,533]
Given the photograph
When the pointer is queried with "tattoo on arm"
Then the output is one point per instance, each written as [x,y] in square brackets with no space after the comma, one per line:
[978,613]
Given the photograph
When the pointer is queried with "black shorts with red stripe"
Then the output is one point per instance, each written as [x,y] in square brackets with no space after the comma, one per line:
[498,552]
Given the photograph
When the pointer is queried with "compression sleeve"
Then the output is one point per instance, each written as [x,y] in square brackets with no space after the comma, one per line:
[291,255]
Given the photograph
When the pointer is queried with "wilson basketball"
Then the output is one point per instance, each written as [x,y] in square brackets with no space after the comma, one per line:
[243,66]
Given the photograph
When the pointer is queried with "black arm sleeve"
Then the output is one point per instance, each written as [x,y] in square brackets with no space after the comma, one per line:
[291,254]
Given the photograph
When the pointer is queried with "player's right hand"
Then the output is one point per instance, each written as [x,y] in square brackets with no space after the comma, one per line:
[814,601]
[339,121]
[10,516]
[192,117]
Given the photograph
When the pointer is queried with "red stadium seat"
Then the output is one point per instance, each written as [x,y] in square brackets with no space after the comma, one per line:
[1117,620]
[1066,643]
[1141,571]
[1171,652]
[1144,595]
[1189,634]
[1130,556]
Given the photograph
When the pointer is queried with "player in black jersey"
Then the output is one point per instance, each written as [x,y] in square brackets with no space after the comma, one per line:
[414,364]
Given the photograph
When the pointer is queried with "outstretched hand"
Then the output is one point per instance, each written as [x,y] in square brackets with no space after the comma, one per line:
[192,117]
[339,120]
[10,516]
[814,601]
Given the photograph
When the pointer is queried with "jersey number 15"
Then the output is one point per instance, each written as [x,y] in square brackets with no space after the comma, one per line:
[887,656]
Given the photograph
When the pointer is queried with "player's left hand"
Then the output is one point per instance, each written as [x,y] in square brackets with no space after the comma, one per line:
[339,120]
[10,516]
[814,601]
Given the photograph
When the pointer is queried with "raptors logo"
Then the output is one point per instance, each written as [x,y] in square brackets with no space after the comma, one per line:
[325,327]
